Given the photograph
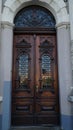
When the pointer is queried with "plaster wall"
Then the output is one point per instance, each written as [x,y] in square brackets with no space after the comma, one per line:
[0,50]
[71,32]
[3,1]
[0,45]
[71,17]
[7,45]
[0,70]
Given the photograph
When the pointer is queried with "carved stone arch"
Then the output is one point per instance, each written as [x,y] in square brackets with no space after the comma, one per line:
[34,16]
[58,8]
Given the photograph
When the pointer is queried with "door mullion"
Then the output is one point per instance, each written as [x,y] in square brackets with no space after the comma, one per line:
[34,87]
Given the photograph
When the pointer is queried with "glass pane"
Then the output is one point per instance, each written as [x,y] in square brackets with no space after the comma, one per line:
[46,71]
[23,71]
[34,16]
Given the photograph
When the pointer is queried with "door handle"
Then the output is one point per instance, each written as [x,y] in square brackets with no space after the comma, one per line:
[37,88]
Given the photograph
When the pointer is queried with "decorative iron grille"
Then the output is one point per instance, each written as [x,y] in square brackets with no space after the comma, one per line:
[34,16]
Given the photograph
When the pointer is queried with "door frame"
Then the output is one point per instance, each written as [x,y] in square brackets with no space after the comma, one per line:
[20,30]
[52,31]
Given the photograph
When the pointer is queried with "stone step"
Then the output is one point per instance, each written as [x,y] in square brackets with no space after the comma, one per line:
[35,128]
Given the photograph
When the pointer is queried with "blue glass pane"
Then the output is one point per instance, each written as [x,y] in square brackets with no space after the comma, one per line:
[46,71]
[34,17]
[46,64]
[23,70]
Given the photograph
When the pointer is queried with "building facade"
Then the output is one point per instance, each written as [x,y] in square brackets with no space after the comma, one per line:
[61,12]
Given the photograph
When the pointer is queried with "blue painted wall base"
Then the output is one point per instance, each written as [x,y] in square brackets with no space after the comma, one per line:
[0,122]
[67,122]
[6,118]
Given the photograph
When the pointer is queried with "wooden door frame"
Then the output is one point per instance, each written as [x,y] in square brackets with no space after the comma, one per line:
[51,31]
[19,30]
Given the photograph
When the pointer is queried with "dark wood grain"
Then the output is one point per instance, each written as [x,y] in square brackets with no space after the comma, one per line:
[32,105]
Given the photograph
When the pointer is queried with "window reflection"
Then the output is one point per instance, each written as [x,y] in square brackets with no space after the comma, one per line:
[46,71]
[23,70]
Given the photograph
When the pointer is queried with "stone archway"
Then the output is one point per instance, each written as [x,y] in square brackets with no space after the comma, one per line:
[58,9]
[62,23]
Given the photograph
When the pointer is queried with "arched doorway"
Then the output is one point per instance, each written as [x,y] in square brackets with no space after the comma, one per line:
[35,99]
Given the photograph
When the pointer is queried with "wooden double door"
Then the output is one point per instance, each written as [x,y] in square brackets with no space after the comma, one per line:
[34,80]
